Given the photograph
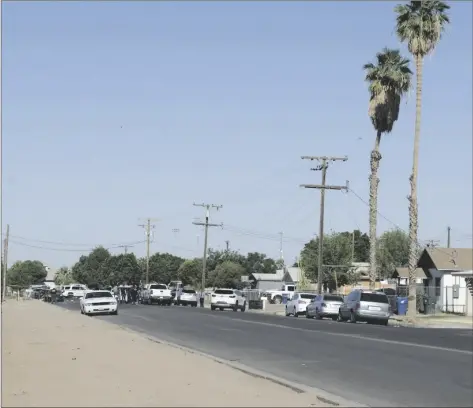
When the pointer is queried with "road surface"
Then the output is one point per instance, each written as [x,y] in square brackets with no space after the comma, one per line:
[373,365]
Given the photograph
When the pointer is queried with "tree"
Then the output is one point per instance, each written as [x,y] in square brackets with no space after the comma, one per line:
[127,270]
[227,275]
[420,24]
[361,249]
[337,257]
[26,273]
[388,81]
[63,276]
[216,258]
[163,267]
[257,262]
[393,252]
[190,272]
[88,269]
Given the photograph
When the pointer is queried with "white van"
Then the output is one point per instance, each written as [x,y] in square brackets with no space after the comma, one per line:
[76,290]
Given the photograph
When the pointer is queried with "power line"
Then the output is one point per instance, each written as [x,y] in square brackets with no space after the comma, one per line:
[67,249]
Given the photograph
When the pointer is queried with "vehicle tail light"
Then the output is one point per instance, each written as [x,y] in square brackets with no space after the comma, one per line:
[232,296]
[357,306]
[324,305]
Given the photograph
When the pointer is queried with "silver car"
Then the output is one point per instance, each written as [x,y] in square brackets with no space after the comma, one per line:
[324,305]
[365,306]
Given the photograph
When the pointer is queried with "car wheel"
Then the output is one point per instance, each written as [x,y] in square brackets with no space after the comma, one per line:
[221,309]
[334,318]
[307,314]
[352,317]
[287,314]
[243,308]
[294,313]
[211,307]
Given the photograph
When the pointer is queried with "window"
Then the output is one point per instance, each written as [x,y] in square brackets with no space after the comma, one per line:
[192,291]
[437,286]
[374,297]
[307,296]
[333,298]
[158,287]
[389,291]
[94,295]
[224,292]
[291,288]
[76,288]
[67,287]
[295,297]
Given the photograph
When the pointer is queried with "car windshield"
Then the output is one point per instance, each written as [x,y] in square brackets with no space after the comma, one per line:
[374,297]
[192,291]
[158,287]
[224,292]
[333,298]
[94,295]
[388,291]
[307,296]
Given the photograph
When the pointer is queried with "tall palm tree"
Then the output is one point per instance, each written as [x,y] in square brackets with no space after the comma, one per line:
[420,24]
[388,81]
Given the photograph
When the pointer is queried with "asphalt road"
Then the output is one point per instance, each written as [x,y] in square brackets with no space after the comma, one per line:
[373,365]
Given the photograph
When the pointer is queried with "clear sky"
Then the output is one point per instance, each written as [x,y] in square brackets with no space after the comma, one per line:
[114,111]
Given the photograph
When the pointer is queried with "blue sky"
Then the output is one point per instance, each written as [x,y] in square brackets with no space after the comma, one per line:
[114,111]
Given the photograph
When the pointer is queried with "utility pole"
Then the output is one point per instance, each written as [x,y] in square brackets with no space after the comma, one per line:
[148,227]
[324,161]
[125,247]
[206,224]
[227,243]
[5,262]
[448,236]
[281,253]
[353,247]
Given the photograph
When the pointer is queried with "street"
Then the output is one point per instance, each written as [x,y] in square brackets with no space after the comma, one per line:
[373,365]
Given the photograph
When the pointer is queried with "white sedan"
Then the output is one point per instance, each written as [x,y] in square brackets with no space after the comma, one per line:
[298,304]
[98,301]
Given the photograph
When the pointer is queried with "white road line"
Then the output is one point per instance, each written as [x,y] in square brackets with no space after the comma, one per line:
[352,336]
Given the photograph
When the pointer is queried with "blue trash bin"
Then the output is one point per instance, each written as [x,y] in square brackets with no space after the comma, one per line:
[284,298]
[401,306]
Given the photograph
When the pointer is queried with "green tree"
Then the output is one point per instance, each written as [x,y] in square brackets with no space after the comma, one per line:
[190,272]
[227,275]
[388,81]
[361,241]
[25,273]
[257,262]
[337,257]
[420,24]
[163,267]
[127,269]
[215,258]
[88,269]
[393,252]
[63,276]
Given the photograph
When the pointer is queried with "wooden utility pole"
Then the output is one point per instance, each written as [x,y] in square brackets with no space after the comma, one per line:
[324,161]
[281,253]
[206,224]
[5,262]
[227,243]
[125,247]
[148,227]
[448,237]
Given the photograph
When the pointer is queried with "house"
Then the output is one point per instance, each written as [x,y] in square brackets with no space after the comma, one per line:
[292,275]
[468,275]
[448,289]
[402,276]
[267,281]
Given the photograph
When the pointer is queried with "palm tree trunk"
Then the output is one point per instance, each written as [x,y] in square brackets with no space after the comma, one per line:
[413,209]
[374,181]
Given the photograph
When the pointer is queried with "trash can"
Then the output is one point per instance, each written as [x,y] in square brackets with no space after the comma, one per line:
[401,306]
[284,298]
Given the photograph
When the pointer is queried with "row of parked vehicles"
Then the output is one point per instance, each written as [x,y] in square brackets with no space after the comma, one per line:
[359,306]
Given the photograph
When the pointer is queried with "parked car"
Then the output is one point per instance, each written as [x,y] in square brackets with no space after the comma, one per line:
[187,297]
[392,297]
[75,290]
[98,301]
[156,293]
[298,304]
[365,306]
[325,305]
[228,299]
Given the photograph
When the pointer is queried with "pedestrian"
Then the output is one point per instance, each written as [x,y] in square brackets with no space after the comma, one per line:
[202,298]
[53,295]
[134,294]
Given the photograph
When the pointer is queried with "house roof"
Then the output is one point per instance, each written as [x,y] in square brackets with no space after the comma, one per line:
[468,274]
[293,273]
[451,258]
[268,276]
[404,273]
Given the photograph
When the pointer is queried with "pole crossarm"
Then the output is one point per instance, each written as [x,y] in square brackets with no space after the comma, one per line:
[321,186]
[209,225]
[325,158]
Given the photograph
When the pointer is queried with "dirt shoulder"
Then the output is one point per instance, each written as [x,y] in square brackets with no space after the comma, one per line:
[57,358]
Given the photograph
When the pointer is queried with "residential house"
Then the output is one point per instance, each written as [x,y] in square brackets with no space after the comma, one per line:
[468,275]
[449,290]
[402,276]
[267,281]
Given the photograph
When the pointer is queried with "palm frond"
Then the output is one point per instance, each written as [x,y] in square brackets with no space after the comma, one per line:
[421,24]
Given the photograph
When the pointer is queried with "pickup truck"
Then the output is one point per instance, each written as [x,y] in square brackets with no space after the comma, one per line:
[156,293]
[276,295]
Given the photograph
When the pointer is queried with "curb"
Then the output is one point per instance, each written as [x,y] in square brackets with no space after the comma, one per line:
[320,395]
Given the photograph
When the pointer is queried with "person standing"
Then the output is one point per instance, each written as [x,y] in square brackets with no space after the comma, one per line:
[202,298]
[53,295]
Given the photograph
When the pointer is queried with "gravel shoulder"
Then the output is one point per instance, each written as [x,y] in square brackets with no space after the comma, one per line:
[58,358]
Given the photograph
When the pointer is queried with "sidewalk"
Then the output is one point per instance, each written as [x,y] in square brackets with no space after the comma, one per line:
[57,358]
[441,321]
